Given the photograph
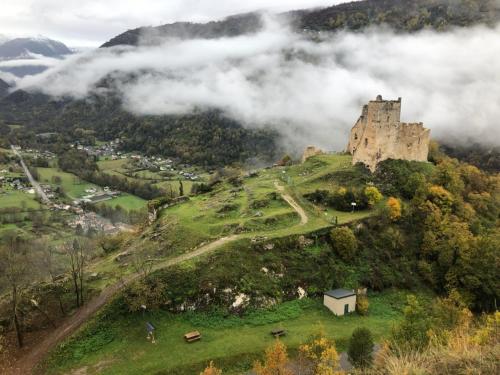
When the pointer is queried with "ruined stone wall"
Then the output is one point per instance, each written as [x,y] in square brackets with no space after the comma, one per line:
[379,135]
[311,151]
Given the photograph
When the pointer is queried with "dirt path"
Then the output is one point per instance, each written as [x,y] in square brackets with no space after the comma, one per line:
[27,363]
[288,198]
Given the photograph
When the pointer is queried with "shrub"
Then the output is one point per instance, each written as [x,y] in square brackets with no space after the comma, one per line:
[344,242]
[362,305]
[211,370]
[360,348]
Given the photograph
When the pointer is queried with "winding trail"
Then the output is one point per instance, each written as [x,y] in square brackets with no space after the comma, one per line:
[288,198]
[27,363]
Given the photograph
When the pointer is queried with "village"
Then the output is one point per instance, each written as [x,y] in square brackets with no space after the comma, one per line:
[42,187]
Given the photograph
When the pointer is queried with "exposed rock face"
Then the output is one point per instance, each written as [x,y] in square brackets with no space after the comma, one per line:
[378,135]
[311,151]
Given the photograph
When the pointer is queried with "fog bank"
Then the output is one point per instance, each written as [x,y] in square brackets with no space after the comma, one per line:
[311,91]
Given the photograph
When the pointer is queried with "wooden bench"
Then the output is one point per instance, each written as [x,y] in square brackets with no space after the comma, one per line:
[278,332]
[192,336]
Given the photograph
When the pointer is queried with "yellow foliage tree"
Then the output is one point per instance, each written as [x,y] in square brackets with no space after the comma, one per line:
[321,353]
[441,197]
[373,195]
[276,361]
[211,370]
[394,208]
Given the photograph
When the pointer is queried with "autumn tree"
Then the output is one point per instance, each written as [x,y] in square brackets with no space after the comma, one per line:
[372,195]
[344,242]
[276,361]
[211,370]
[393,209]
[320,354]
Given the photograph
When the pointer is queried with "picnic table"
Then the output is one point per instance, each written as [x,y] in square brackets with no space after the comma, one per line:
[278,332]
[192,336]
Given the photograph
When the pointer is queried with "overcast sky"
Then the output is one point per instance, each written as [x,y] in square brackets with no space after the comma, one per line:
[81,23]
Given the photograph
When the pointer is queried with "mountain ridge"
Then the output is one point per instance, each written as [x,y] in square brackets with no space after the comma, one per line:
[29,49]
[401,15]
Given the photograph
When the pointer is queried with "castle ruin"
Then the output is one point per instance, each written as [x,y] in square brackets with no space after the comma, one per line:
[379,135]
[311,151]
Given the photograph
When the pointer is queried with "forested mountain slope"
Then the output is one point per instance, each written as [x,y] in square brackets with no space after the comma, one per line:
[401,15]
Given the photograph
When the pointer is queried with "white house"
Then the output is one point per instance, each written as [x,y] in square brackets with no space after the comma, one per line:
[340,301]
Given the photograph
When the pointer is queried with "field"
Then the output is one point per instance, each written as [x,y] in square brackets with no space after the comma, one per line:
[119,168]
[119,345]
[127,202]
[255,207]
[19,199]
[72,186]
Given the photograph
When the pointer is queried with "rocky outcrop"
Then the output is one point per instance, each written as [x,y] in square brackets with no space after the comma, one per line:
[379,135]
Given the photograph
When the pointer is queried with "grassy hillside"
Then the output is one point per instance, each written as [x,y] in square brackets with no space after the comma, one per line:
[118,346]
[289,229]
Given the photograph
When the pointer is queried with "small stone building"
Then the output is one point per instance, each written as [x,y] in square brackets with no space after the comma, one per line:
[340,301]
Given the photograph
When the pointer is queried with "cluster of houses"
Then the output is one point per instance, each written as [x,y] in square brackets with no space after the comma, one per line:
[104,150]
[15,183]
[163,165]
[37,154]
[88,221]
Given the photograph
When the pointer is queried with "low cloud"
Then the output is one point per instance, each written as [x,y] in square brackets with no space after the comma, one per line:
[311,91]
[31,59]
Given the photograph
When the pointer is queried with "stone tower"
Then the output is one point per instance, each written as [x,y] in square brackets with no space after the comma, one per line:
[378,135]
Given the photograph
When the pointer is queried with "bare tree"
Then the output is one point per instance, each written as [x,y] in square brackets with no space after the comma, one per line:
[143,262]
[50,268]
[15,271]
[76,252]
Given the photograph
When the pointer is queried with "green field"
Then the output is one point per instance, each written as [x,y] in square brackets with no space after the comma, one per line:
[119,346]
[118,168]
[72,185]
[112,165]
[127,202]
[19,199]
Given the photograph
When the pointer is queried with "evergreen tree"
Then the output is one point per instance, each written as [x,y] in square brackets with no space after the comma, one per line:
[360,348]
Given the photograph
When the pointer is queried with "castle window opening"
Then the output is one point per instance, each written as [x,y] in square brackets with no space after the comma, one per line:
[366,141]
[355,136]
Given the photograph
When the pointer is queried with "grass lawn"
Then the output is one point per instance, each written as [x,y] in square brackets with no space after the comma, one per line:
[114,165]
[127,202]
[119,345]
[19,199]
[73,186]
